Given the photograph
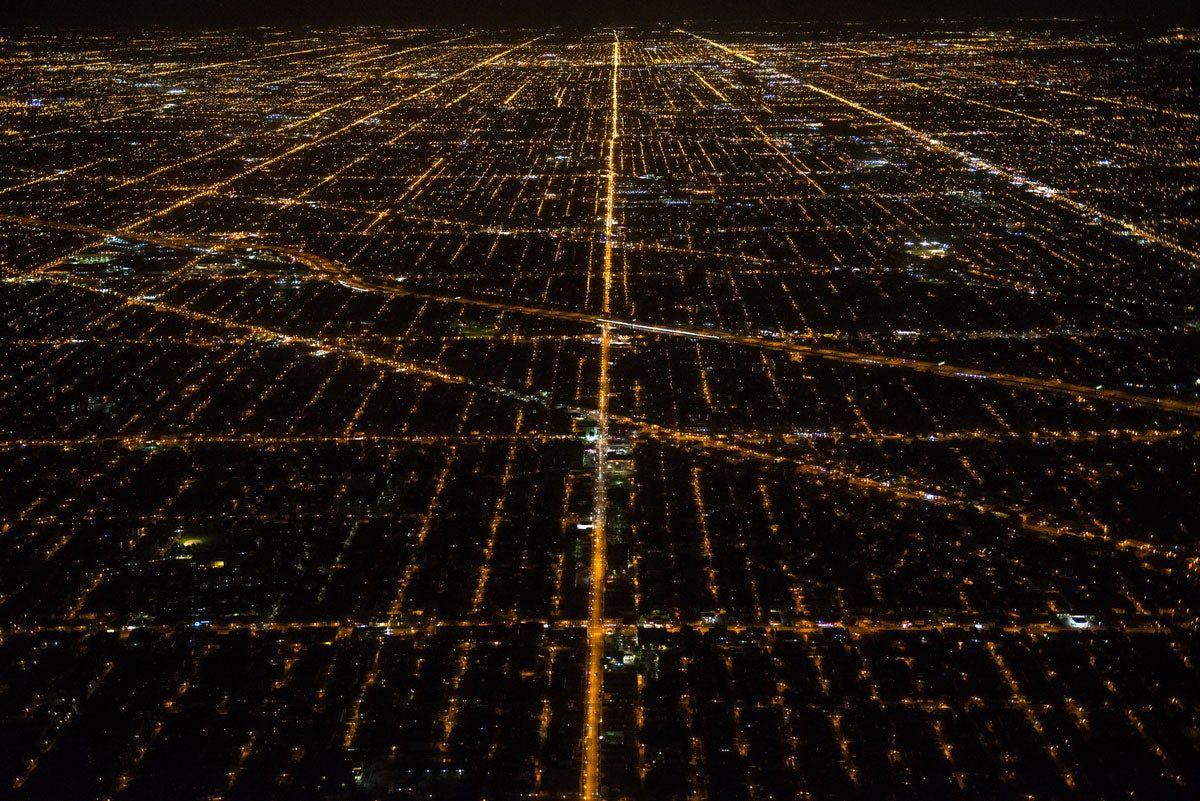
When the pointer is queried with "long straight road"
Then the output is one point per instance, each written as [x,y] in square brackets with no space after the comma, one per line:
[805,412]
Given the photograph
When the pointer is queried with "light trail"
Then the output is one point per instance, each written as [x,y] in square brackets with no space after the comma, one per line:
[596,630]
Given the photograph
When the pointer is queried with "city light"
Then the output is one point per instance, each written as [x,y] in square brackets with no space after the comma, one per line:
[679,411]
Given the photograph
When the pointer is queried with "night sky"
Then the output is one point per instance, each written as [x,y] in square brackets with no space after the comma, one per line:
[216,13]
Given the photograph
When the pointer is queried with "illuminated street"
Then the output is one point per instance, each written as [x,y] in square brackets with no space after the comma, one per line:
[666,412]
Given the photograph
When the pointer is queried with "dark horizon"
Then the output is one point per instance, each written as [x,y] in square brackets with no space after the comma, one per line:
[512,13]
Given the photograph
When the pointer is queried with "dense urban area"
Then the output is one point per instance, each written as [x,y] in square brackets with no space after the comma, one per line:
[791,412]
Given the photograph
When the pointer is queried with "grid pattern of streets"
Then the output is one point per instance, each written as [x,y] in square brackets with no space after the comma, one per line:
[635,414]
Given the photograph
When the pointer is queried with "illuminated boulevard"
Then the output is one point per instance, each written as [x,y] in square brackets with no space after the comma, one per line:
[665,413]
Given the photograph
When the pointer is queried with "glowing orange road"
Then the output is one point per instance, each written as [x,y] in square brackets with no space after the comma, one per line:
[359,56]
[1001,109]
[51,176]
[904,491]
[962,435]
[895,489]
[134,441]
[165,440]
[333,271]
[1056,195]
[589,781]
[1027,623]
[596,628]
[258,333]
[1113,101]
[237,140]
[214,188]
[1052,194]
[1029,383]
[198,67]
[789,160]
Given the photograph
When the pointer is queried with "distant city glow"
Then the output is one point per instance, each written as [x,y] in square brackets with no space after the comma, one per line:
[775,411]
